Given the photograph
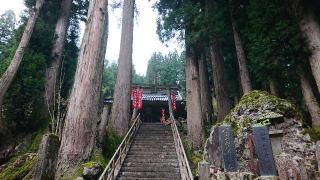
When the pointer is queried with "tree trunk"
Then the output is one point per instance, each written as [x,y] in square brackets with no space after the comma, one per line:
[47,157]
[241,57]
[120,115]
[206,100]
[310,100]
[7,77]
[78,137]
[194,115]
[220,81]
[273,87]
[103,124]
[56,54]
[311,31]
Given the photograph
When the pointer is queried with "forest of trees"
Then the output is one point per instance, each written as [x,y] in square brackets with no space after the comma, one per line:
[51,81]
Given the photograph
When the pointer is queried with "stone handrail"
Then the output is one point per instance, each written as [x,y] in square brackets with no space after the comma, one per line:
[185,170]
[112,169]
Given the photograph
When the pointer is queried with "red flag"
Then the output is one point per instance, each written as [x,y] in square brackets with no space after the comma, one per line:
[174,101]
[134,98]
[162,118]
[139,99]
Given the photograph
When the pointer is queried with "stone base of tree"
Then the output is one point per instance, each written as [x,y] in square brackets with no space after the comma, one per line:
[48,152]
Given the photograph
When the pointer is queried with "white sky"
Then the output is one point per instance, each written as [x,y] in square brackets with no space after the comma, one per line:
[145,39]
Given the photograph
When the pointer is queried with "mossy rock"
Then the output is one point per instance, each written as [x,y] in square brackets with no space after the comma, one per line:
[19,167]
[314,133]
[258,106]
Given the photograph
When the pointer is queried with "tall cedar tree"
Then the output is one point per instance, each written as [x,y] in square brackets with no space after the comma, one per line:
[206,99]
[78,137]
[194,113]
[310,28]
[52,70]
[241,57]
[218,70]
[7,78]
[310,100]
[121,99]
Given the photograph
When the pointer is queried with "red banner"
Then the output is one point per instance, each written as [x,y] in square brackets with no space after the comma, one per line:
[174,101]
[139,99]
[162,118]
[134,98]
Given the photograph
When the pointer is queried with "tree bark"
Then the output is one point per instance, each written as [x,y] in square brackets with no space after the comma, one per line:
[241,57]
[206,99]
[78,137]
[8,76]
[273,88]
[47,157]
[311,31]
[120,114]
[56,54]
[194,114]
[170,105]
[310,100]
[103,124]
[220,81]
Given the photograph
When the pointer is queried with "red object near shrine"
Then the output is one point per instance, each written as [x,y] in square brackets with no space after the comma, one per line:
[134,98]
[174,101]
[162,118]
[139,99]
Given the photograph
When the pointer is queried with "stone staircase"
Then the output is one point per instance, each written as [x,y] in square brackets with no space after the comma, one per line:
[152,155]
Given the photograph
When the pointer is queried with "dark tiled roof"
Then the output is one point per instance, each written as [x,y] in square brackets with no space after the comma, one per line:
[151,97]
[158,97]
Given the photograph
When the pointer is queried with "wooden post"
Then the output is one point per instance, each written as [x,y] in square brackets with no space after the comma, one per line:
[204,171]
[170,104]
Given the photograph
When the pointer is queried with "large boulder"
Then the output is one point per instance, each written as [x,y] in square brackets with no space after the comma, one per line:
[91,170]
[260,107]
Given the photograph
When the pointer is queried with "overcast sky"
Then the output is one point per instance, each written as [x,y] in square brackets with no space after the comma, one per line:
[145,39]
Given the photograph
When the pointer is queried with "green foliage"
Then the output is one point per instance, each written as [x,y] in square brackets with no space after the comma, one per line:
[274,45]
[314,133]
[36,141]
[110,77]
[166,69]
[111,144]
[18,167]
[24,108]
[7,26]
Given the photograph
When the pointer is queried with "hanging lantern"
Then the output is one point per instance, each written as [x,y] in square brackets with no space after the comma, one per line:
[134,98]
[174,101]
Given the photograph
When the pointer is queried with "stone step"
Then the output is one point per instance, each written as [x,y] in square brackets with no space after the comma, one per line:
[170,148]
[148,138]
[151,143]
[152,152]
[149,169]
[153,135]
[152,156]
[150,175]
[135,178]
[153,160]
[164,140]
[159,164]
